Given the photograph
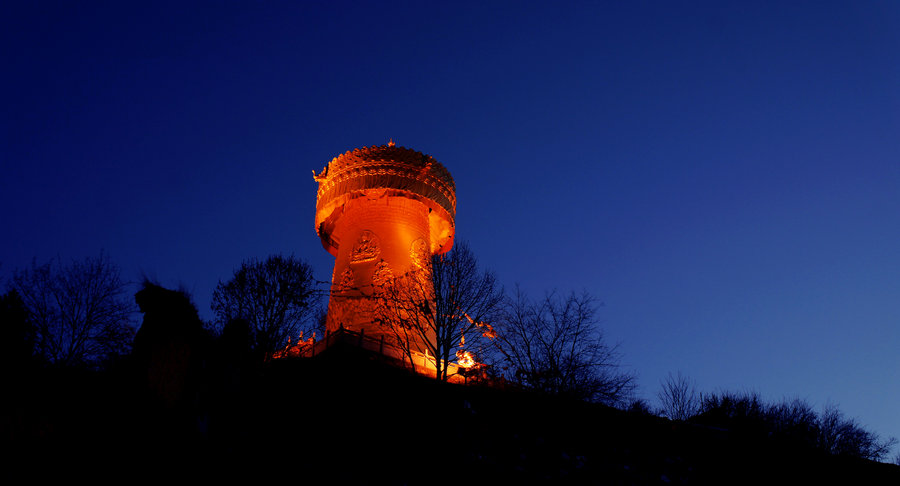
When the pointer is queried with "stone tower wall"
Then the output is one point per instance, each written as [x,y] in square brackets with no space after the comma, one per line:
[382,212]
[380,238]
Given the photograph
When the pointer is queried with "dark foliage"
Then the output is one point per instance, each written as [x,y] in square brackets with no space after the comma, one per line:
[348,417]
[171,347]
[743,409]
[678,397]
[843,436]
[640,407]
[17,334]
[276,297]
[435,310]
[793,422]
[80,312]
[555,346]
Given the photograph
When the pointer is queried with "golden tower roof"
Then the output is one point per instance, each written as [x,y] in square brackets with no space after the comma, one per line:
[386,170]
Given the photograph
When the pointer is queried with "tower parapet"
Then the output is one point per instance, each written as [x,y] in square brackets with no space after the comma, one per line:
[382,211]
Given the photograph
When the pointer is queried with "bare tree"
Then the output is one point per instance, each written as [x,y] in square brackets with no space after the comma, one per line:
[438,309]
[678,398]
[841,435]
[80,311]
[276,297]
[555,345]
[796,421]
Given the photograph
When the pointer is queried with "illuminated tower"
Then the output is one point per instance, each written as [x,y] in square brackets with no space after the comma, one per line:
[382,212]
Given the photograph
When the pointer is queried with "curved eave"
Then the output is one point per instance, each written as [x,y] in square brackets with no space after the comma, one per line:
[440,221]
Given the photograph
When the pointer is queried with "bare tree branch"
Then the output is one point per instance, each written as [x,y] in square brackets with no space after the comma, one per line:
[555,346]
[80,311]
[277,297]
[433,310]
[678,398]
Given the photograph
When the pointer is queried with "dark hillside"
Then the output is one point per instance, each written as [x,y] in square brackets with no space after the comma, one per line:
[348,416]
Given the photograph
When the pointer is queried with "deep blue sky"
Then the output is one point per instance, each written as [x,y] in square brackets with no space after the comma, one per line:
[724,177]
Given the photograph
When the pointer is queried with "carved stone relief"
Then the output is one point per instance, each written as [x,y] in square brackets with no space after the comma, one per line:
[418,253]
[346,282]
[366,248]
[383,274]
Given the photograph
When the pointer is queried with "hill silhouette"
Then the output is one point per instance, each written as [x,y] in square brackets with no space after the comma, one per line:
[349,417]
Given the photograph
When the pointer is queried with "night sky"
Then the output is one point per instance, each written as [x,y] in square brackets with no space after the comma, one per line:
[723,176]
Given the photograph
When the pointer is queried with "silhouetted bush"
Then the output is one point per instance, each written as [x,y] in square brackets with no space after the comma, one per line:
[793,422]
[843,436]
[679,398]
[737,409]
[640,407]
[171,347]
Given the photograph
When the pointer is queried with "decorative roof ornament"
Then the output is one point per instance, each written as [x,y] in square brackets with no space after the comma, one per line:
[391,142]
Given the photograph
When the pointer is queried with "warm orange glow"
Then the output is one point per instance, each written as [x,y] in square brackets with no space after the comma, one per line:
[294,350]
[487,329]
[463,357]
[382,211]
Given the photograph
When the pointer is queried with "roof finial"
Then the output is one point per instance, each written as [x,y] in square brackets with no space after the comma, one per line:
[391,143]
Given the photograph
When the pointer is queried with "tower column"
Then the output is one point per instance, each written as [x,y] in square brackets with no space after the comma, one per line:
[383,212]
[380,237]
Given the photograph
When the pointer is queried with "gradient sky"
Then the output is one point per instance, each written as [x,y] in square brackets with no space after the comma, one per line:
[724,176]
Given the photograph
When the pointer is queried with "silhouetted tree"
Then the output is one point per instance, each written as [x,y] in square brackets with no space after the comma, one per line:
[744,410]
[841,435]
[795,421]
[276,297]
[555,346]
[434,310]
[17,334]
[678,398]
[80,312]
[640,407]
